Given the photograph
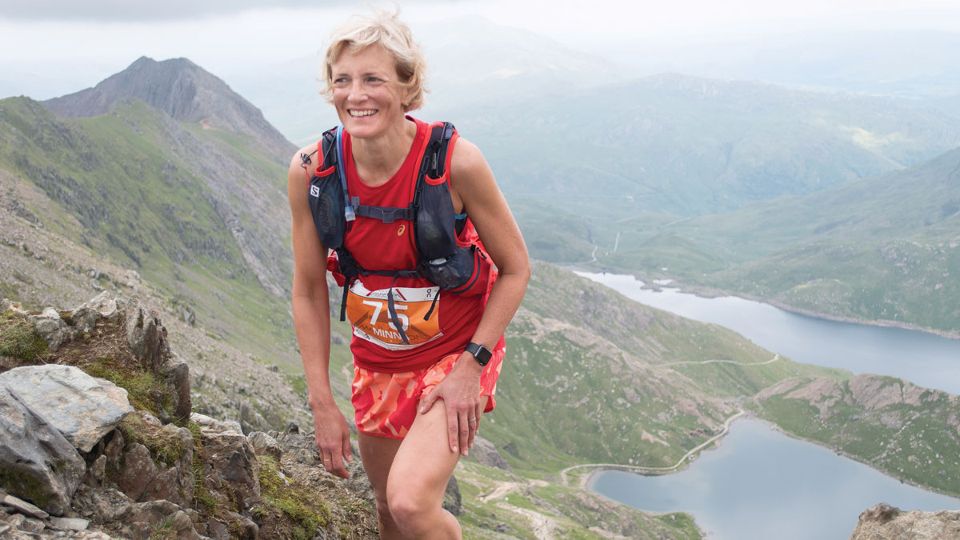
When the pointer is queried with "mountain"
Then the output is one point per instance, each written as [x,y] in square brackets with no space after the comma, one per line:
[881,249]
[182,90]
[197,209]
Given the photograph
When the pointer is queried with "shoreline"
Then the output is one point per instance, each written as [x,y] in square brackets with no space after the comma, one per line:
[587,481]
[707,292]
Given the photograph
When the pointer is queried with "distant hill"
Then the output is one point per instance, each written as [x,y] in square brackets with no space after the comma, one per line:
[881,249]
[182,90]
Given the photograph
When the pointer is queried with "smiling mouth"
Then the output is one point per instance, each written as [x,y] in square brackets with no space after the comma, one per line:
[361,113]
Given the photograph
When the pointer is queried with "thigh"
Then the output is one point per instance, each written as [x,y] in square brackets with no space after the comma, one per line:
[377,454]
[423,463]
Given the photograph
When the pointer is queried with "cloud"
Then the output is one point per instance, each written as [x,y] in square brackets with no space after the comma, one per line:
[152,10]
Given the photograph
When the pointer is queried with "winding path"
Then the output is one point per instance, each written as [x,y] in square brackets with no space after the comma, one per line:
[659,470]
[687,362]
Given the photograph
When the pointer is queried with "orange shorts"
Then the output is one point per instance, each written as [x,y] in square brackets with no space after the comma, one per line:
[385,404]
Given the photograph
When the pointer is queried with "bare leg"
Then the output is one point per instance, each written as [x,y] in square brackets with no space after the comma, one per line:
[418,478]
[377,454]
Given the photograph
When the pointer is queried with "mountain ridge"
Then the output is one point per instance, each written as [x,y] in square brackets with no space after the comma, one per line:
[181,89]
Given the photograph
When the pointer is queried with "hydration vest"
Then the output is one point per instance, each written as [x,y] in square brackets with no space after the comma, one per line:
[441,259]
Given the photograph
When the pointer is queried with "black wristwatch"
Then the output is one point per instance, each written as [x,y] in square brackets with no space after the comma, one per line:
[481,353]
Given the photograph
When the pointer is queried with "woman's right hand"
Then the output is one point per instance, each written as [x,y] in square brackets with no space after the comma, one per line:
[332,436]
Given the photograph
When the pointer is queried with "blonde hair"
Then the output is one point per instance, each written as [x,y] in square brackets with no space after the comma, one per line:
[385,29]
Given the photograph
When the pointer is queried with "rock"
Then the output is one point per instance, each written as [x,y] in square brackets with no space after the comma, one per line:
[452,502]
[264,444]
[251,420]
[69,524]
[51,328]
[485,453]
[146,337]
[216,425]
[84,317]
[137,472]
[160,519]
[104,505]
[157,462]
[81,407]
[231,467]
[177,375]
[885,522]
[36,461]
[23,507]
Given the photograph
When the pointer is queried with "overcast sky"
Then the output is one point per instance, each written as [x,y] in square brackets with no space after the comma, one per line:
[50,47]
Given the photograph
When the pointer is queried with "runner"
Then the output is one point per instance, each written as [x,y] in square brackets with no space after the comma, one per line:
[433,268]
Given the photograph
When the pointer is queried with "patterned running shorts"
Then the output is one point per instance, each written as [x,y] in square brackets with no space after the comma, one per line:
[385,404]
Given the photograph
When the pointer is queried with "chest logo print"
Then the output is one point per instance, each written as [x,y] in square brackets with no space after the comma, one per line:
[400,229]
[315,191]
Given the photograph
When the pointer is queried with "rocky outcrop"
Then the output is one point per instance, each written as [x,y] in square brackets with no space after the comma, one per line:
[885,522]
[79,406]
[75,462]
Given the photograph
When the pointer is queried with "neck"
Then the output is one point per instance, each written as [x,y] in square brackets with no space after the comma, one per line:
[383,155]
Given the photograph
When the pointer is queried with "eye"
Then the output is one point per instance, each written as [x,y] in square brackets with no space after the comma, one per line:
[340,82]
[372,80]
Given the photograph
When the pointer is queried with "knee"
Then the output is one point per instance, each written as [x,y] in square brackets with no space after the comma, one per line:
[409,512]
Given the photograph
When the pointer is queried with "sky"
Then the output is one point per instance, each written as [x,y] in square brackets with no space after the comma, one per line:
[50,47]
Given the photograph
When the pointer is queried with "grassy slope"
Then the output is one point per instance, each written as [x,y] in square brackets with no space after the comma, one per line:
[142,205]
[915,439]
[883,249]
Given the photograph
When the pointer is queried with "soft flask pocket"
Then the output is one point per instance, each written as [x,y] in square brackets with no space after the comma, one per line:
[466,272]
[326,205]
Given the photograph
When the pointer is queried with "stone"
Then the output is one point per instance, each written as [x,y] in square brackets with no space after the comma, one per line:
[23,507]
[81,407]
[36,461]
[137,472]
[69,524]
[251,420]
[231,468]
[177,375]
[213,424]
[885,522]
[146,337]
[51,328]
[485,453]
[264,444]
[452,501]
[102,505]
[143,519]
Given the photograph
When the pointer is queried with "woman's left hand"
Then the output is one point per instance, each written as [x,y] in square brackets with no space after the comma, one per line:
[460,392]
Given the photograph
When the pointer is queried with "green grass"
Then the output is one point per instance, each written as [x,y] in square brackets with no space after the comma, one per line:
[144,390]
[19,340]
[306,510]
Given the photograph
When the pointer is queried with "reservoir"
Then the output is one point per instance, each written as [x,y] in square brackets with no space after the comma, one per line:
[760,483]
[924,359]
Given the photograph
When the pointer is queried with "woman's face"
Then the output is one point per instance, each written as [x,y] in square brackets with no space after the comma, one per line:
[367,92]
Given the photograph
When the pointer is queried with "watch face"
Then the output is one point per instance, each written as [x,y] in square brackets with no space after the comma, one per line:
[481,353]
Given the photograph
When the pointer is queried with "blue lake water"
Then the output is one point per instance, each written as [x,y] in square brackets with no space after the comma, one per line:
[924,359]
[761,483]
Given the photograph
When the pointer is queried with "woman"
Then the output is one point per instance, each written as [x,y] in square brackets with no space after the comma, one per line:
[419,384]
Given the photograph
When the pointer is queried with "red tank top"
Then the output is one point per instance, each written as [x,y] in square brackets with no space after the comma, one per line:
[436,323]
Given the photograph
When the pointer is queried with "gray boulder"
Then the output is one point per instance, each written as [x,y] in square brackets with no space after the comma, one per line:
[885,522]
[485,453]
[36,462]
[53,329]
[81,407]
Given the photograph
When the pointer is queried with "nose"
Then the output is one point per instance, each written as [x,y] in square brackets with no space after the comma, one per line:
[356,92]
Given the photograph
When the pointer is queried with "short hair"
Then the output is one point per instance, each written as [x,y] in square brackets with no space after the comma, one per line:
[387,30]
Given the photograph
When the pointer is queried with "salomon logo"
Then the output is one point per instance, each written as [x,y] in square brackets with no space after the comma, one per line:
[315,191]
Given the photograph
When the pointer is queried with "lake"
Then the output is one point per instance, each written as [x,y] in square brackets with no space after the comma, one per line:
[737,491]
[925,359]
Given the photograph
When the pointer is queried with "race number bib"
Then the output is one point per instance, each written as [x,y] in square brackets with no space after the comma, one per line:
[370,317]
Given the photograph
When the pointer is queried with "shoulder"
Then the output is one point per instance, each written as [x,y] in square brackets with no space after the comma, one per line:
[467,160]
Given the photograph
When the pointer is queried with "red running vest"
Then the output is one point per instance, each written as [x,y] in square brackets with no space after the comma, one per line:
[432,333]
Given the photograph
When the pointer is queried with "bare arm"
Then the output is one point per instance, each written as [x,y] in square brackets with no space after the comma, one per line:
[311,319]
[473,184]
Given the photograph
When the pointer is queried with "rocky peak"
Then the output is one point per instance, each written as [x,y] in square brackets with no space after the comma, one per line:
[180,89]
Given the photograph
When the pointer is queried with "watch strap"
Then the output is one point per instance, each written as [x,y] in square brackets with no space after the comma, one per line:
[479,352]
